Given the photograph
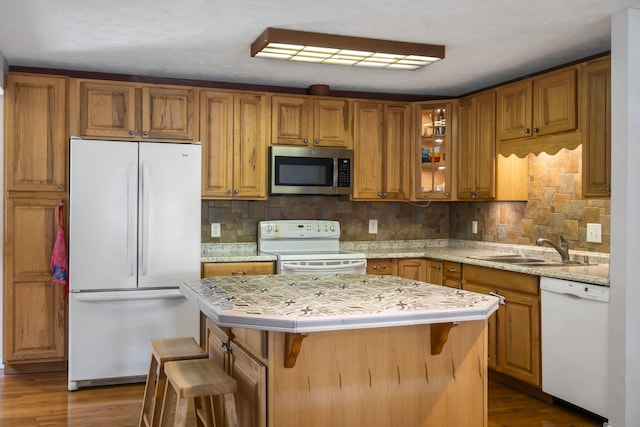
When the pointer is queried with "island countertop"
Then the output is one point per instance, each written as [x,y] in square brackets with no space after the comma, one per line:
[329,302]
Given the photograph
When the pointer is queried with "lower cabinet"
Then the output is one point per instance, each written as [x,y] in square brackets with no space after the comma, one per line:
[445,273]
[35,311]
[225,346]
[409,268]
[237,268]
[514,330]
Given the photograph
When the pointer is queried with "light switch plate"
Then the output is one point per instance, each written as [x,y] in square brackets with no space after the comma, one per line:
[215,229]
[474,227]
[594,233]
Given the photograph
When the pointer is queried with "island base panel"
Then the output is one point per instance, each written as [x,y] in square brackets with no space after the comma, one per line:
[380,377]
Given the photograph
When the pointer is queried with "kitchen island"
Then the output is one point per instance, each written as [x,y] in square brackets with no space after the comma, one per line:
[348,350]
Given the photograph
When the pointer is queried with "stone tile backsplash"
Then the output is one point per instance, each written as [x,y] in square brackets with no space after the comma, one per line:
[555,206]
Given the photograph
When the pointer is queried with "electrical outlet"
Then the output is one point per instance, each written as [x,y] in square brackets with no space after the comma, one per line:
[594,233]
[474,227]
[373,226]
[215,229]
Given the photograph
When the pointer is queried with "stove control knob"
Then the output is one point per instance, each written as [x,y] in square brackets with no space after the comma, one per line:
[276,228]
[268,228]
[333,227]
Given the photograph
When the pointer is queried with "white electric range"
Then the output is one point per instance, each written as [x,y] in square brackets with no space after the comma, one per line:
[308,246]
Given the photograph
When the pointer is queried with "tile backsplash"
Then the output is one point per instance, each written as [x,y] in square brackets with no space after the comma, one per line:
[555,206]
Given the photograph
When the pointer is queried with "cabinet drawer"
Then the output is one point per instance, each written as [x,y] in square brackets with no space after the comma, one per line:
[254,340]
[382,266]
[452,270]
[236,268]
[494,278]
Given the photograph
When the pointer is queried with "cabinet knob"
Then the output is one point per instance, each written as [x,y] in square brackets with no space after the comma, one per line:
[452,270]
[131,132]
[536,130]
[527,131]
[60,186]
[608,189]
[229,192]
[500,297]
[145,133]
[235,192]
[306,141]
[316,141]
[239,273]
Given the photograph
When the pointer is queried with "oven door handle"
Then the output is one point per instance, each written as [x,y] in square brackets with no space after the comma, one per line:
[295,268]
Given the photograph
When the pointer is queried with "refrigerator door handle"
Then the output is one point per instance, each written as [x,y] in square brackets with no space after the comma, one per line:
[127,295]
[144,216]
[132,198]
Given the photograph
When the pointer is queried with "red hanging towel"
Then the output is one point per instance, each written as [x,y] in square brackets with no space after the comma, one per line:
[59,258]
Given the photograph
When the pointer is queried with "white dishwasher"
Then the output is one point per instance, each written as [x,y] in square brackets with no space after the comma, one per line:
[575,344]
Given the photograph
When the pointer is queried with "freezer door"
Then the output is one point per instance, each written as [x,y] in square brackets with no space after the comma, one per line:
[169,220]
[110,332]
[103,212]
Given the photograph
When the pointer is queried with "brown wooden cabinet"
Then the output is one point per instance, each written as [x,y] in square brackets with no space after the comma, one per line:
[34,307]
[476,147]
[210,269]
[544,105]
[311,121]
[120,110]
[433,154]
[35,133]
[514,330]
[409,268]
[247,370]
[382,266]
[445,273]
[596,142]
[413,268]
[35,164]
[382,143]
[233,131]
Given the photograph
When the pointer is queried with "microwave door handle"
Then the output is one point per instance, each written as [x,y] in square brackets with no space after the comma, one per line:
[335,172]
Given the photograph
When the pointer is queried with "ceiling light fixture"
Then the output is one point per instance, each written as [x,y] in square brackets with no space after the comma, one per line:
[303,46]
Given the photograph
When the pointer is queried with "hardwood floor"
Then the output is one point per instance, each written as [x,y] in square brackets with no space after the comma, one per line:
[43,400]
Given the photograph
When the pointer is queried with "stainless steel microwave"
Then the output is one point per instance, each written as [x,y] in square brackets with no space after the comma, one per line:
[302,170]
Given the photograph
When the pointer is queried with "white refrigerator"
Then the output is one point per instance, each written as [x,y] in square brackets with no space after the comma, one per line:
[134,236]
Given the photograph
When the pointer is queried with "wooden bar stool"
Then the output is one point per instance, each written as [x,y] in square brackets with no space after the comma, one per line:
[202,380]
[162,351]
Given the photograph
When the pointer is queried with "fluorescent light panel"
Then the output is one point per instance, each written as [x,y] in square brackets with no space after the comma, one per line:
[303,46]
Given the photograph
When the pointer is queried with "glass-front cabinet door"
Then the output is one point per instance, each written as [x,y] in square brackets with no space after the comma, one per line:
[433,150]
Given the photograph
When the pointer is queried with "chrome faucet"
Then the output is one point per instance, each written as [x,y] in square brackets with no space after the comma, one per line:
[563,249]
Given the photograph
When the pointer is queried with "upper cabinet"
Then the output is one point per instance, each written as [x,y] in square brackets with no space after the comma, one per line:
[596,142]
[382,143]
[35,133]
[541,106]
[538,110]
[433,152]
[476,147]
[233,132]
[311,121]
[120,110]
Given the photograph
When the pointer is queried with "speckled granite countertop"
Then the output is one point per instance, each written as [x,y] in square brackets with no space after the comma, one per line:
[327,302]
[595,272]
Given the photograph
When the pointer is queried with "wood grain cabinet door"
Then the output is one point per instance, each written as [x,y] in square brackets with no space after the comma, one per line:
[250,146]
[413,268]
[332,123]
[34,307]
[251,396]
[168,113]
[291,120]
[216,136]
[35,133]
[103,109]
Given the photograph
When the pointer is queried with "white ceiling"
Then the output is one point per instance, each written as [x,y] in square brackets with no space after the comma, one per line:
[487,41]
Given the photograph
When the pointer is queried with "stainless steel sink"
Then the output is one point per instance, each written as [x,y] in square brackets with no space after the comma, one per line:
[528,261]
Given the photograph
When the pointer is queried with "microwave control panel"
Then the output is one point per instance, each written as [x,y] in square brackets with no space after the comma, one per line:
[344,173]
